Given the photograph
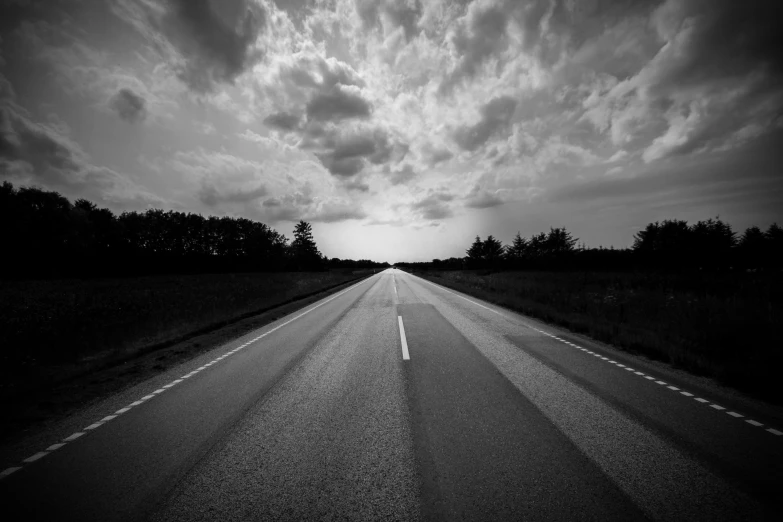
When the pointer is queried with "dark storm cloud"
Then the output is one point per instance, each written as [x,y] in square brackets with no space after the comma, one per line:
[129,106]
[283,121]
[342,167]
[40,153]
[216,43]
[482,36]
[722,39]
[434,206]
[480,198]
[399,13]
[403,176]
[345,154]
[496,116]
[356,185]
[758,161]
[211,196]
[336,105]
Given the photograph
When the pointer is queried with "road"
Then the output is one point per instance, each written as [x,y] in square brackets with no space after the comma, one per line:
[398,399]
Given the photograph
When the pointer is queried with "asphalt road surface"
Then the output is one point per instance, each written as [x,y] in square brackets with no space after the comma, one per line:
[397,399]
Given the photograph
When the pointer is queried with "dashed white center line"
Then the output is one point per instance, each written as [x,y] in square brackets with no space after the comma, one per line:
[39,455]
[700,399]
[754,423]
[775,432]
[735,414]
[55,446]
[8,471]
[108,418]
[73,437]
[717,407]
[405,355]
[122,410]
[93,426]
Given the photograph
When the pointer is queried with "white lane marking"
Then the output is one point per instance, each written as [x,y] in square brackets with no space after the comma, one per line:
[108,418]
[660,382]
[717,407]
[405,355]
[39,455]
[775,432]
[55,446]
[649,378]
[122,410]
[146,397]
[73,437]
[735,414]
[701,400]
[673,388]
[93,426]
[755,423]
[8,471]
[686,394]
[135,403]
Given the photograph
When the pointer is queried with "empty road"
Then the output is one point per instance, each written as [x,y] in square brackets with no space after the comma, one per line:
[398,399]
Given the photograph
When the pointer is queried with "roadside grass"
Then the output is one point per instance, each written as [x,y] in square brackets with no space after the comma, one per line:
[725,326]
[51,330]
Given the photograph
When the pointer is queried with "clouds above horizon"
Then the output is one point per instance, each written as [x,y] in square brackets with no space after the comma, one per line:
[379,111]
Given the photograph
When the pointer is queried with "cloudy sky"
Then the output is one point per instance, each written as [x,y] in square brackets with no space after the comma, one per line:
[401,128]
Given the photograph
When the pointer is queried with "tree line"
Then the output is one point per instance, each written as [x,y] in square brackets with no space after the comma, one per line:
[45,235]
[671,245]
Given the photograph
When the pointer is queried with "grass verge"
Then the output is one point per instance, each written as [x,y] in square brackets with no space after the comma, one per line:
[723,326]
[65,342]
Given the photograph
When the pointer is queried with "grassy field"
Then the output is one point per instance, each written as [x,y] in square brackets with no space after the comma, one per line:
[52,329]
[725,326]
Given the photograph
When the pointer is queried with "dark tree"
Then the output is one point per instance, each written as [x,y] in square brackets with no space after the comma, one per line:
[752,248]
[516,251]
[492,251]
[476,254]
[303,248]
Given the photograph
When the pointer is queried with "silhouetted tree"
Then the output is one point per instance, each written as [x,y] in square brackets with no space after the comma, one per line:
[492,252]
[303,248]
[475,253]
[516,251]
[752,248]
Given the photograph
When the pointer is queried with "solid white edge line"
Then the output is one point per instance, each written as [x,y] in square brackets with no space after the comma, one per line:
[405,355]
[74,436]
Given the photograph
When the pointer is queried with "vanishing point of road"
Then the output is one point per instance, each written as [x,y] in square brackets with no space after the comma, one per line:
[398,399]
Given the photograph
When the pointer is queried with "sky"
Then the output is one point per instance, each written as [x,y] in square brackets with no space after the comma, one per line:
[401,129]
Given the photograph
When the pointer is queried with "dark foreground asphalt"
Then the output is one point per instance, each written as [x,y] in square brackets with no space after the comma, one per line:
[493,417]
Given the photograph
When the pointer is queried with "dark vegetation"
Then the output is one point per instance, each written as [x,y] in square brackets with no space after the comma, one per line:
[44,235]
[696,296]
[81,284]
